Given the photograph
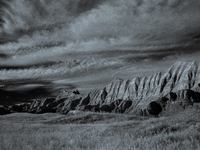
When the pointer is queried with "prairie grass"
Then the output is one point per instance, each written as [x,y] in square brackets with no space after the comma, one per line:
[101,131]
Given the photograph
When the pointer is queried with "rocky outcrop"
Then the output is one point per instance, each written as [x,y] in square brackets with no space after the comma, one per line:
[43,106]
[23,107]
[162,93]
[70,103]
[180,82]
[63,103]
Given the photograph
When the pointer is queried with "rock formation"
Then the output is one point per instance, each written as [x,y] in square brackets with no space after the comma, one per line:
[181,82]
[162,93]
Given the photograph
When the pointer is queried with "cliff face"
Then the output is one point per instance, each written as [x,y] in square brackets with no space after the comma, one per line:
[143,90]
[166,92]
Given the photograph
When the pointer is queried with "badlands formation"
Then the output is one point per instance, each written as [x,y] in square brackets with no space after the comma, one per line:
[164,93]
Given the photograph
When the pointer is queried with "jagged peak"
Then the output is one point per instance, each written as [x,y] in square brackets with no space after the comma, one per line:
[175,68]
[181,75]
[181,67]
[183,64]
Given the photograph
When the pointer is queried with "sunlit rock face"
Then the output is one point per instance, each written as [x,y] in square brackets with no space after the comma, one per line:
[166,92]
[179,82]
[178,77]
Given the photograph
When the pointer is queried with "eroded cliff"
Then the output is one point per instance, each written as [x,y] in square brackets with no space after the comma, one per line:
[165,92]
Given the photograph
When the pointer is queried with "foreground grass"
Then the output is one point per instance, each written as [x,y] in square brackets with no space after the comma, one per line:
[99,131]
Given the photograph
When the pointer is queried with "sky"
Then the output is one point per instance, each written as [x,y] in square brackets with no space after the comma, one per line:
[90,42]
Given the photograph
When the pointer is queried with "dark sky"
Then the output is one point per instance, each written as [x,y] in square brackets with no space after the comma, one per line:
[60,37]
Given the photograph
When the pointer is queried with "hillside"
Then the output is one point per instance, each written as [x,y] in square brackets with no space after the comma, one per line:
[162,93]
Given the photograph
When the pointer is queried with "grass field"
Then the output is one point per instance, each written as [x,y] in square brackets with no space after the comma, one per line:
[103,131]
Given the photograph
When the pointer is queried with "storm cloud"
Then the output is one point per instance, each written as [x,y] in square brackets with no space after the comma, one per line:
[99,33]
[129,21]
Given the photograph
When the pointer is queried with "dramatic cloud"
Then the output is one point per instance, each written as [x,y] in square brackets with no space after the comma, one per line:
[168,21]
[82,35]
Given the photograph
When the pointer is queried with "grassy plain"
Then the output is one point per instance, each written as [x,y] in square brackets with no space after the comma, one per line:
[103,131]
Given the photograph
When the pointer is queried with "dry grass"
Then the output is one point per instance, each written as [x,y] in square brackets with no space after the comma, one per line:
[99,131]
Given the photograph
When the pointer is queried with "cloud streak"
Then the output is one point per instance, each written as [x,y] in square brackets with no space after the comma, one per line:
[66,20]
[35,32]
[67,68]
